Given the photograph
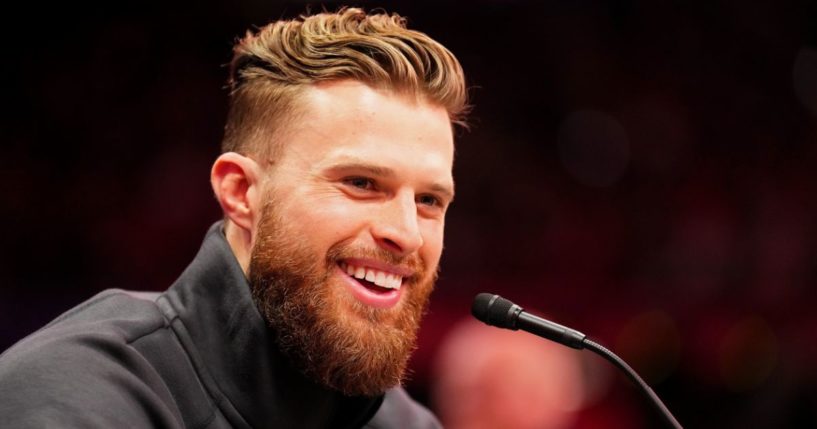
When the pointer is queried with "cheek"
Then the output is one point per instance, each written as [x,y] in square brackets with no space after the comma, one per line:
[327,219]
[432,241]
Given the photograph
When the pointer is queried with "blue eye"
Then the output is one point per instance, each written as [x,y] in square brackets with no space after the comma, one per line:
[360,182]
[428,200]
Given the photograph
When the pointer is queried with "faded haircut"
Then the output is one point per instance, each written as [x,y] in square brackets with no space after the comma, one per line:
[272,66]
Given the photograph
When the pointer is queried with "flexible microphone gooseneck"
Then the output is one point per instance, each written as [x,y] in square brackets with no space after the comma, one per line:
[502,313]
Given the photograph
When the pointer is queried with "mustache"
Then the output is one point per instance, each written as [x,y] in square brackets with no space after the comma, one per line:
[341,251]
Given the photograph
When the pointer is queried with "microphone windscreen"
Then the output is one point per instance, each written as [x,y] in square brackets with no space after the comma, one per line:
[493,310]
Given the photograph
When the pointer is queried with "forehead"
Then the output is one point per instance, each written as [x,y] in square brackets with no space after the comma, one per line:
[348,119]
[355,101]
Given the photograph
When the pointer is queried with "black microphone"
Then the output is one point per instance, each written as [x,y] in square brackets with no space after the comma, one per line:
[498,311]
[502,313]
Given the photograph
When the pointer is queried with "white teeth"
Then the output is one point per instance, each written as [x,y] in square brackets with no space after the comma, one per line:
[380,278]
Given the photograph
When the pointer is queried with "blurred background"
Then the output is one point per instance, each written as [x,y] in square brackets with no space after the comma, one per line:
[641,171]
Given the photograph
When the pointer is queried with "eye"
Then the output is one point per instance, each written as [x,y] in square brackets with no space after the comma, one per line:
[429,200]
[363,183]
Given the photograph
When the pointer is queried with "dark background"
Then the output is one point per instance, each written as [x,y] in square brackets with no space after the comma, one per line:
[642,171]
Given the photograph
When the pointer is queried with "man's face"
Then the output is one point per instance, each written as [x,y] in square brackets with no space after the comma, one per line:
[348,244]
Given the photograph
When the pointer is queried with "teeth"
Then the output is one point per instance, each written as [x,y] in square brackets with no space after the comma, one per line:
[380,278]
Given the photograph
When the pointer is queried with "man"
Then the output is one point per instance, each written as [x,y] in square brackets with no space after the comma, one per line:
[302,306]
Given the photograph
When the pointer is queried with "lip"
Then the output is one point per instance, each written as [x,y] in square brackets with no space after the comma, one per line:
[386,299]
[379,265]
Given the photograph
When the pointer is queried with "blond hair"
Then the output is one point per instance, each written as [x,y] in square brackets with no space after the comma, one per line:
[270,67]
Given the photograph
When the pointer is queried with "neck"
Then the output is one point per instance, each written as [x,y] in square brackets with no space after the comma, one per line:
[240,241]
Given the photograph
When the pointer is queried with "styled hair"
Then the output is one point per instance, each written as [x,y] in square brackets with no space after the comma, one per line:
[272,66]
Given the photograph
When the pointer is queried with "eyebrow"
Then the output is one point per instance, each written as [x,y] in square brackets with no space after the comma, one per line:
[374,170]
[386,172]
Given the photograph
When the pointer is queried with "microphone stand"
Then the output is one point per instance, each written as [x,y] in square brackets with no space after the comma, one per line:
[497,311]
[643,387]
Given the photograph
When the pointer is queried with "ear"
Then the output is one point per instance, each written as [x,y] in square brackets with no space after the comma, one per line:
[236,181]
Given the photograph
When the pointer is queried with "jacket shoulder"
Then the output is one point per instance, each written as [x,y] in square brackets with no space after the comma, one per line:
[82,370]
[399,410]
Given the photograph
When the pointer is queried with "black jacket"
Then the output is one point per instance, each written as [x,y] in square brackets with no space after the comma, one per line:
[198,356]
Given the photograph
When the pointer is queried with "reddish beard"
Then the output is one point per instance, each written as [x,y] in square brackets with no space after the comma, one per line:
[325,332]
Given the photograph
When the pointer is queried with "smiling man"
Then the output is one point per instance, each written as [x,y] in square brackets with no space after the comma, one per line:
[346,228]
[301,308]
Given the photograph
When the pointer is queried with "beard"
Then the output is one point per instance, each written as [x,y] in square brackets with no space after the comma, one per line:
[325,332]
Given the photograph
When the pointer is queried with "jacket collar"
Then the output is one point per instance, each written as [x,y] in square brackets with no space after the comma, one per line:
[235,356]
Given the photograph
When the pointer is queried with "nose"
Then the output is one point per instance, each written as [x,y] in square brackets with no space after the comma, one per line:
[396,228]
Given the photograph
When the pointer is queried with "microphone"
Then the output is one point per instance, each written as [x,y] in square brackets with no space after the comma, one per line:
[502,313]
[497,311]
